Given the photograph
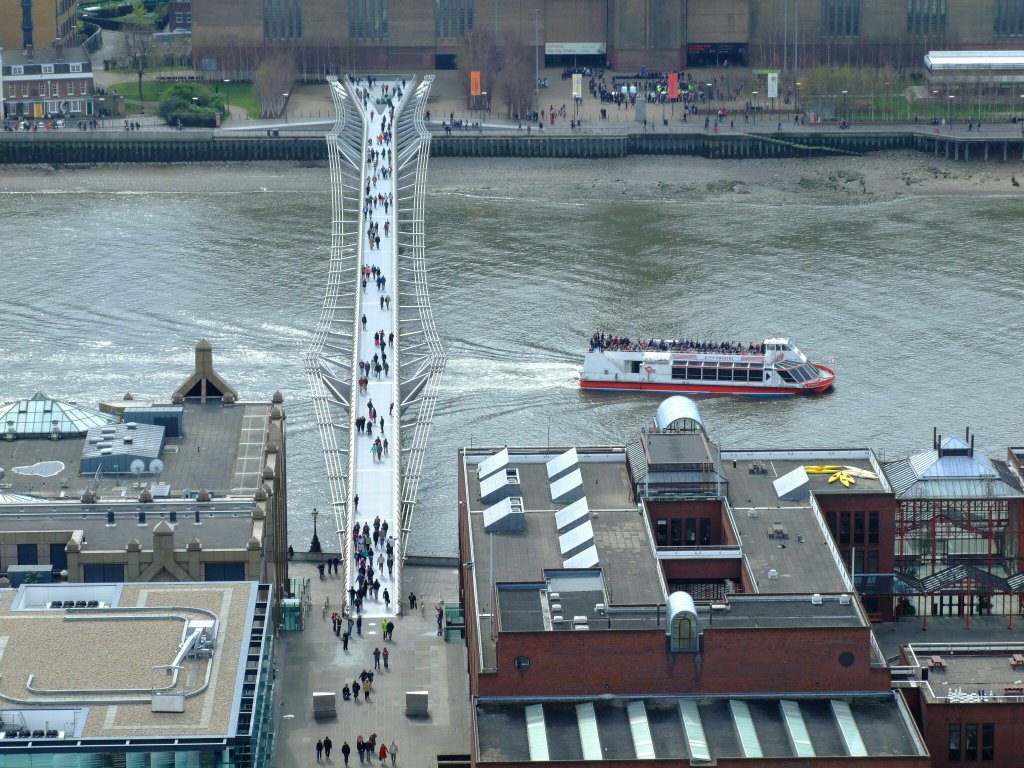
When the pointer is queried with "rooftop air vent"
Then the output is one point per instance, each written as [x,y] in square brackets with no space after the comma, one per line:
[815,599]
[751,513]
[773,574]
[844,599]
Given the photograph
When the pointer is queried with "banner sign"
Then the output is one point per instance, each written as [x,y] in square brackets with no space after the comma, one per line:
[474,83]
[577,86]
[574,49]
[773,86]
[673,85]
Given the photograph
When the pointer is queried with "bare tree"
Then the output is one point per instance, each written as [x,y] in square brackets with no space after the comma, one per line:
[275,77]
[478,53]
[517,86]
[138,42]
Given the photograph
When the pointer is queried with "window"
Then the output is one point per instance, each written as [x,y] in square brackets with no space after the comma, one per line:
[282,19]
[179,18]
[24,90]
[71,88]
[677,533]
[76,68]
[47,69]
[661,533]
[28,554]
[872,561]
[368,19]
[452,18]
[705,531]
[17,69]
[971,741]
[685,635]
[926,17]
[840,18]
[103,573]
[58,557]
[1008,18]
[188,18]
[224,571]
[844,528]
[988,741]
[55,87]
[954,743]
[872,527]
[84,88]
[858,527]
[691,532]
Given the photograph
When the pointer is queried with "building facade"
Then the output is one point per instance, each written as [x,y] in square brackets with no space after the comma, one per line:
[37,23]
[47,83]
[658,35]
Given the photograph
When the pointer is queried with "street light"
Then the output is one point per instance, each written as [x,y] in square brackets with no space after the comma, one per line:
[284,109]
[754,105]
[314,545]
[710,86]
[949,110]
[935,104]
[227,96]
[844,104]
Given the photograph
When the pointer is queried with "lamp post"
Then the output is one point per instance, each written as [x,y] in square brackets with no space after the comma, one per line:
[710,95]
[227,97]
[284,108]
[753,105]
[844,104]
[949,111]
[536,60]
[102,109]
[935,105]
[796,96]
[314,545]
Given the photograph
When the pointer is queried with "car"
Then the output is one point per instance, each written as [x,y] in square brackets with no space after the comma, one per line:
[59,123]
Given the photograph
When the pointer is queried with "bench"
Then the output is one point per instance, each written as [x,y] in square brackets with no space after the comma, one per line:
[1017,660]
[936,662]
[1013,690]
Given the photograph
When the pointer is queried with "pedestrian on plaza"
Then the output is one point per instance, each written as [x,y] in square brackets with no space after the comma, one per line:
[344,641]
[385,655]
[319,750]
[359,625]
[412,601]
[393,750]
[361,746]
[376,658]
[346,750]
[367,687]
[327,747]
[364,316]
[383,754]
[355,690]
[385,446]
[387,599]
[387,301]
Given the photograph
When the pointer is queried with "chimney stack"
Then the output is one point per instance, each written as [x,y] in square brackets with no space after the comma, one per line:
[58,47]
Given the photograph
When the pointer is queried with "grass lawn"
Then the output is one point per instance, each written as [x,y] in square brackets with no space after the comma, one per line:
[240,94]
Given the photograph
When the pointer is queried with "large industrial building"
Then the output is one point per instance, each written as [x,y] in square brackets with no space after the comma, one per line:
[158,674]
[629,34]
[671,599]
[194,489]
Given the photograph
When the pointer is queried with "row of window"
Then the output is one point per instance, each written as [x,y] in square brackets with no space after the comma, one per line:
[696,373]
[48,89]
[864,560]
[368,19]
[800,373]
[28,554]
[452,18]
[282,19]
[683,532]
[182,18]
[47,69]
[964,742]
[1008,18]
[851,529]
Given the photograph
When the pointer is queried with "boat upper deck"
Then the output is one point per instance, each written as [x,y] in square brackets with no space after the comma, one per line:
[613,343]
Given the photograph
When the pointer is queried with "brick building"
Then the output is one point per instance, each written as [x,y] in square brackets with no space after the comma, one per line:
[46,82]
[38,23]
[630,34]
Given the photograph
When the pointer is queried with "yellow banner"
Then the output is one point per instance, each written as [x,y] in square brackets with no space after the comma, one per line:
[474,83]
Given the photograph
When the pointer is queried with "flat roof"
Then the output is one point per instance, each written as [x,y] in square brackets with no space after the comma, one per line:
[974,59]
[221,451]
[783,611]
[92,671]
[680,728]
[785,536]
[969,673]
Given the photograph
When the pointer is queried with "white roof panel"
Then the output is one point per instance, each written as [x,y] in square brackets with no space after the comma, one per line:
[797,728]
[643,744]
[537,733]
[586,719]
[492,464]
[576,538]
[694,729]
[562,463]
[749,741]
[568,516]
[564,486]
[848,728]
[586,559]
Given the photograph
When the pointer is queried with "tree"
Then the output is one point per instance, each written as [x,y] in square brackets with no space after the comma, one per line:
[274,78]
[138,41]
[477,53]
[517,72]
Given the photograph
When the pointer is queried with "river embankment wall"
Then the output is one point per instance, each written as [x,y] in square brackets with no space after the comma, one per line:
[209,146]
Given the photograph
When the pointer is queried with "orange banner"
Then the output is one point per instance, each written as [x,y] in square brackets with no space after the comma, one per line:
[474,83]
[673,86]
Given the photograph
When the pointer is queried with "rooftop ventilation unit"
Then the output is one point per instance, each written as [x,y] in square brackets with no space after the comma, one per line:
[773,574]
[815,599]
[844,599]
[751,513]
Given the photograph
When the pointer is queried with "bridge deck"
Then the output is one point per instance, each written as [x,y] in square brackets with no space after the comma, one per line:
[375,481]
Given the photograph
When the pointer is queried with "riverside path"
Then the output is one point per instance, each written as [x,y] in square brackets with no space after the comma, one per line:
[375,360]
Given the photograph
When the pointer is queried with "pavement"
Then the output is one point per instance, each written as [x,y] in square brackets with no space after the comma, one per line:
[313,660]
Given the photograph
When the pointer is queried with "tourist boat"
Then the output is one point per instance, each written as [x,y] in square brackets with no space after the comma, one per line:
[772,368]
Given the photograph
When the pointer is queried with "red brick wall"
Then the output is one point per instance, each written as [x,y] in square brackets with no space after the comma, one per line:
[634,662]
[698,570]
[696,509]
[1008,718]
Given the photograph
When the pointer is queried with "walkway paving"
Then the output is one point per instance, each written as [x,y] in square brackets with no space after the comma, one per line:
[314,660]
[375,479]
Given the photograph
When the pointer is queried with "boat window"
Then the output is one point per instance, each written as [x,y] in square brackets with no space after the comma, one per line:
[678,372]
[786,375]
[635,366]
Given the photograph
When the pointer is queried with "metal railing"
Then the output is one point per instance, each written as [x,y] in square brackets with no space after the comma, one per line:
[331,356]
[423,359]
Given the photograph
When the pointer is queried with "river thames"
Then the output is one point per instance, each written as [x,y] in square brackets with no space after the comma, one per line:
[111,275]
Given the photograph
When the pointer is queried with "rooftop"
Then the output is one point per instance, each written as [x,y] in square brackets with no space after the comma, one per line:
[220,451]
[72,54]
[701,729]
[769,612]
[969,673]
[951,469]
[788,536]
[89,673]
